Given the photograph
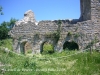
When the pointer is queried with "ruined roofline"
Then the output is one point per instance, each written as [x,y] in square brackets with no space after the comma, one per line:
[70,21]
[59,19]
[30,17]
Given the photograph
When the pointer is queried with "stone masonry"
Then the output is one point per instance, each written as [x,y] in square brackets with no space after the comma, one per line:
[87,28]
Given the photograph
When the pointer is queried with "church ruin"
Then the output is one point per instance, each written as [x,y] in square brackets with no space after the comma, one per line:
[82,31]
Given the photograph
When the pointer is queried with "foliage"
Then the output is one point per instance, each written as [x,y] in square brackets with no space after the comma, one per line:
[52,35]
[19,39]
[94,41]
[76,35]
[47,48]
[3,31]
[28,51]
[1,10]
[69,33]
[12,23]
[31,65]
[6,43]
[5,27]
[59,25]
[90,44]
[37,33]
[64,63]
[59,29]
[55,34]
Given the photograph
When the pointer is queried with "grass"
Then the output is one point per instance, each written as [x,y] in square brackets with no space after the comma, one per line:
[78,64]
[6,43]
[64,63]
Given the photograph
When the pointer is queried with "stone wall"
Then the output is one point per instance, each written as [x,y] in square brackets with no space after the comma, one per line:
[90,10]
[86,28]
[85,9]
[95,10]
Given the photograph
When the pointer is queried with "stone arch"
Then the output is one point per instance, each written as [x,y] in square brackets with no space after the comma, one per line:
[24,47]
[71,45]
[42,44]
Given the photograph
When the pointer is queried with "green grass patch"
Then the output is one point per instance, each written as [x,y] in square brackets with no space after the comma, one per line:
[64,63]
[7,43]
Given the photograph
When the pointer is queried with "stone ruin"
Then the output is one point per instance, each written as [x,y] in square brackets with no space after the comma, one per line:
[82,31]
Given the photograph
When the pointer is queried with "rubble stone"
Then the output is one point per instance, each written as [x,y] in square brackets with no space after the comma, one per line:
[87,26]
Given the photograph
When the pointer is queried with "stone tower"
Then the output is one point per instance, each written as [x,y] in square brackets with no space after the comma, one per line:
[90,10]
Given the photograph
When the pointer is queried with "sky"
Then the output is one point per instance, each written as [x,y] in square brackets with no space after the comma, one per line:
[43,9]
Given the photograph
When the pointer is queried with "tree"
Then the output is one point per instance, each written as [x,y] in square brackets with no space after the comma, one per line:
[11,23]
[1,10]
[3,31]
[5,27]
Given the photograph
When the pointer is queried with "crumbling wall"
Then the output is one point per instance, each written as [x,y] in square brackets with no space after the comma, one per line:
[82,32]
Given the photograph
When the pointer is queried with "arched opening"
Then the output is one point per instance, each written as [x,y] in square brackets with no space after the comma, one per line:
[70,45]
[46,48]
[25,48]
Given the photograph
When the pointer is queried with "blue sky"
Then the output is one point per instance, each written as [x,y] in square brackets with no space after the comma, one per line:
[43,9]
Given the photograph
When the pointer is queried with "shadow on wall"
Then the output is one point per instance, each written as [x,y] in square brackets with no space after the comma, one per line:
[70,45]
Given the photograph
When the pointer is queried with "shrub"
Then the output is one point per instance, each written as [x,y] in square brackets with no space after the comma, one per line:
[48,48]
[69,34]
[76,35]
[29,51]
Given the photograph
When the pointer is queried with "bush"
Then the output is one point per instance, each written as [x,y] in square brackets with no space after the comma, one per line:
[48,48]
[69,34]
[30,65]
[28,51]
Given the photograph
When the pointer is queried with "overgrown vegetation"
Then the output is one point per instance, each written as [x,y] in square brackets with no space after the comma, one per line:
[59,29]
[57,33]
[64,63]
[29,51]
[48,48]
[76,35]
[69,33]
[6,43]
[91,44]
